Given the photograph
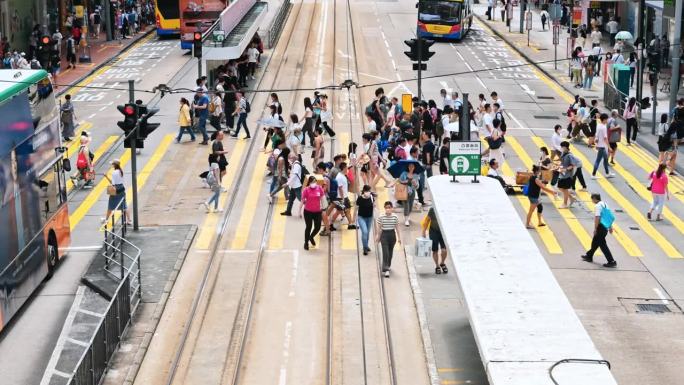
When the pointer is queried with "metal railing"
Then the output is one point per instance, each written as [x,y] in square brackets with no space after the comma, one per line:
[613,98]
[122,262]
[278,23]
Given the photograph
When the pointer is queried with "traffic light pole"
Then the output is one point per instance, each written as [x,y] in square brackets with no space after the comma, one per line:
[420,64]
[134,166]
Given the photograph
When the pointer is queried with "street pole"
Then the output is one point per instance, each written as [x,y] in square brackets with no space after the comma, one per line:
[465,116]
[108,19]
[420,65]
[640,62]
[676,55]
[134,166]
[523,4]
[654,92]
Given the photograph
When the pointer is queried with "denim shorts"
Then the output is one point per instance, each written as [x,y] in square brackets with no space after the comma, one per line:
[533,201]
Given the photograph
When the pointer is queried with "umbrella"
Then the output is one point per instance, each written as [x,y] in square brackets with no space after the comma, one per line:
[396,169]
[624,35]
[271,122]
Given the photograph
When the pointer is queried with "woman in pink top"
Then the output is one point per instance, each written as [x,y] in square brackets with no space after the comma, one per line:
[659,191]
[311,209]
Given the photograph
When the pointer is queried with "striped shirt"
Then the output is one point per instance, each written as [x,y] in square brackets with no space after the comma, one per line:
[388,222]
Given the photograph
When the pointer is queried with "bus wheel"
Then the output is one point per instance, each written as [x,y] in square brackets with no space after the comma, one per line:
[52,255]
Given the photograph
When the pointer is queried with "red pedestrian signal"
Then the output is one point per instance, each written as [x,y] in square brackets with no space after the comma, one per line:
[45,40]
[129,110]
[197,44]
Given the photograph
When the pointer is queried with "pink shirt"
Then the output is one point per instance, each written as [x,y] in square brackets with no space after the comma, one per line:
[658,185]
[311,197]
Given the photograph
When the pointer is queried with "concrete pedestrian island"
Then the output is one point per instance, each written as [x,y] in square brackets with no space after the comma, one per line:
[521,319]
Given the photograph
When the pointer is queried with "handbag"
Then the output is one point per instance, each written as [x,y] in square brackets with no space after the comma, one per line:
[423,247]
[111,189]
[400,192]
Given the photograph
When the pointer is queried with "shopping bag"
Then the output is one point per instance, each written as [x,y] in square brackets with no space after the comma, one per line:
[400,192]
[423,247]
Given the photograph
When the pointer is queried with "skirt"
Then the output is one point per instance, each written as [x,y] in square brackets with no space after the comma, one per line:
[120,197]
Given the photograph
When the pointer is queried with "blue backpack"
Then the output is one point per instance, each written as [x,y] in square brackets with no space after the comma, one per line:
[607,217]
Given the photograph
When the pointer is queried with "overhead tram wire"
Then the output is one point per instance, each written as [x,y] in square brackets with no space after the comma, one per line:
[327,87]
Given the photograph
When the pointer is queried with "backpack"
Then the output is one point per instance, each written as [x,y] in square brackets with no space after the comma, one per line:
[332,193]
[303,173]
[607,217]
[248,107]
[81,161]
[543,18]
[501,118]
[212,107]
[96,19]
[211,179]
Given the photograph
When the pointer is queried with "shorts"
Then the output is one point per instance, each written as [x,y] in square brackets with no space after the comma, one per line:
[664,146]
[533,201]
[437,240]
[613,146]
[565,183]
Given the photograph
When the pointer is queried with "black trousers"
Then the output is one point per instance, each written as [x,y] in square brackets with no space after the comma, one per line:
[269,134]
[311,220]
[578,176]
[632,129]
[388,238]
[599,242]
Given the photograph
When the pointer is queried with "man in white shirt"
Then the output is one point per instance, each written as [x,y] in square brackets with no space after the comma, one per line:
[252,58]
[556,140]
[457,102]
[497,99]
[487,120]
[612,27]
[618,58]
[371,127]
[598,52]
[596,36]
[446,99]
[294,182]
[602,147]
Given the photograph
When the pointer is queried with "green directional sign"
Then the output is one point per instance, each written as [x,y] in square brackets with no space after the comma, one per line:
[465,158]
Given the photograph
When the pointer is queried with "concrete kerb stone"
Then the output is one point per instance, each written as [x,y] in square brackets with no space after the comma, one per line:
[159,309]
[104,63]
[646,144]
[428,348]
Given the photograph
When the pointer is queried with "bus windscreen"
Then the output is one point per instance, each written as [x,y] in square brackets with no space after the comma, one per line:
[440,12]
[169,9]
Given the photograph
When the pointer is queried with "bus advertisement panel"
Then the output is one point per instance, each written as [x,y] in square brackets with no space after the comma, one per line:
[34,222]
[198,15]
[444,19]
[167,17]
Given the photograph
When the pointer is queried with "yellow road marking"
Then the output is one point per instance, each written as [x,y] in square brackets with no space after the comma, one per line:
[545,233]
[649,163]
[452,382]
[94,195]
[449,370]
[620,235]
[383,196]
[634,213]
[277,238]
[567,215]
[98,153]
[76,141]
[253,194]
[208,228]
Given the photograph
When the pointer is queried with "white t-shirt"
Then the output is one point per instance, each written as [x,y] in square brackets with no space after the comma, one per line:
[601,135]
[117,177]
[492,172]
[556,140]
[596,37]
[372,126]
[446,101]
[487,123]
[342,183]
[612,26]
[599,207]
[252,55]
[295,180]
[501,103]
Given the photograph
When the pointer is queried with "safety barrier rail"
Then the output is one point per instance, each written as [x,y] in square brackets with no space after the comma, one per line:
[122,262]
[278,23]
[613,98]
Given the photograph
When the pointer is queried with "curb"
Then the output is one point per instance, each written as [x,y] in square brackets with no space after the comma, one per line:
[428,349]
[647,145]
[133,370]
[104,63]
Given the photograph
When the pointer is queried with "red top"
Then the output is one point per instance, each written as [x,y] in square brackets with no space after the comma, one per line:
[311,197]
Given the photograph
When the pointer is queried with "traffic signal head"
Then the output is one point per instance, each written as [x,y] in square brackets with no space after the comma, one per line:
[197,44]
[146,128]
[413,46]
[130,113]
[45,40]
[419,50]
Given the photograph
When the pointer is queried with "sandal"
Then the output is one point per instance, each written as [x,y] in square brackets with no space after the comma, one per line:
[542,224]
[438,270]
[444,268]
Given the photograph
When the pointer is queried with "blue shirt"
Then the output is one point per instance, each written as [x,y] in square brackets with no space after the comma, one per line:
[203,101]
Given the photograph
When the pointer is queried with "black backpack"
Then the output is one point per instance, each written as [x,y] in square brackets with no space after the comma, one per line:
[248,107]
[304,173]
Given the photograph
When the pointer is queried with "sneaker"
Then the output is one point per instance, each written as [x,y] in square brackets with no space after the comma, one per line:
[564,207]
[324,233]
[387,274]
[223,189]
[610,175]
[648,215]
[218,210]
[286,213]
[610,264]
[351,227]
[594,177]
[587,258]
[407,223]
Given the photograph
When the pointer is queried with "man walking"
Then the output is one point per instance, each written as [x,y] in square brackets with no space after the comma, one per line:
[241,111]
[602,147]
[566,177]
[612,27]
[603,224]
[202,112]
